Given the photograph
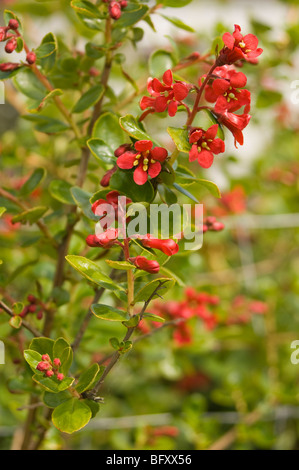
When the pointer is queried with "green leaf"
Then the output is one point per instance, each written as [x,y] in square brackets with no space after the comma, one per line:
[90,98]
[178,23]
[85,8]
[114,343]
[52,400]
[105,312]
[122,265]
[159,62]
[91,271]
[15,322]
[64,352]
[71,416]
[101,151]
[146,292]
[27,83]
[33,358]
[89,377]
[129,124]
[169,273]
[180,138]
[268,98]
[108,130]
[31,215]
[61,191]
[2,211]
[94,407]
[131,17]
[175,3]
[123,182]
[42,346]
[48,49]
[17,308]
[46,124]
[52,384]
[152,317]
[35,179]
[214,120]
[47,99]
[45,49]
[82,198]
[210,186]
[185,192]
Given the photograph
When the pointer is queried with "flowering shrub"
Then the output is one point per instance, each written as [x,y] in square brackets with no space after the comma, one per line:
[91,276]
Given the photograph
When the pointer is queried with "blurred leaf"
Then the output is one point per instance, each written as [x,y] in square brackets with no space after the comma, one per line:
[159,62]
[35,179]
[31,215]
[71,416]
[105,312]
[178,23]
[91,97]
[61,190]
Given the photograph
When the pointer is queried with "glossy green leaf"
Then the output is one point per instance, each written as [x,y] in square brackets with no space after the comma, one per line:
[52,384]
[82,198]
[91,271]
[15,322]
[85,8]
[42,346]
[64,352]
[130,125]
[152,317]
[131,16]
[52,400]
[89,377]
[180,138]
[123,182]
[90,98]
[185,192]
[101,151]
[108,130]
[122,265]
[33,358]
[28,84]
[61,190]
[175,3]
[105,312]
[35,179]
[178,23]
[31,215]
[71,416]
[146,292]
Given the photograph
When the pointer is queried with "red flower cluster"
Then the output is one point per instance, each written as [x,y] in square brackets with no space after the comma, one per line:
[34,306]
[111,200]
[167,95]
[146,159]
[205,145]
[212,225]
[243,309]
[194,305]
[49,368]
[232,202]
[12,44]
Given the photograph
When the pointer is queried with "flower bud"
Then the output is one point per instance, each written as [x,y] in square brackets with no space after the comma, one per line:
[57,362]
[105,181]
[145,264]
[60,377]
[39,315]
[9,67]
[122,149]
[49,373]
[13,24]
[168,247]
[217,227]
[31,299]
[103,240]
[43,366]
[93,72]
[45,357]
[31,58]
[2,34]
[11,46]
[32,308]
[115,10]
[123,3]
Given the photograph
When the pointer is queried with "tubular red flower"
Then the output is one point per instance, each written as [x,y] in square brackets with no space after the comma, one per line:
[145,264]
[167,95]
[235,123]
[168,247]
[239,47]
[205,145]
[145,158]
[103,240]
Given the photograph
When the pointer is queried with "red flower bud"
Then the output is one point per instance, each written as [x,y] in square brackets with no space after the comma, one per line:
[60,377]
[103,240]
[24,312]
[145,264]
[57,362]
[93,72]
[123,3]
[217,227]
[11,46]
[45,357]
[13,24]
[32,308]
[168,247]
[31,58]
[43,366]
[122,149]
[9,67]
[39,315]
[115,10]
[32,299]
[105,181]
[2,34]
[49,373]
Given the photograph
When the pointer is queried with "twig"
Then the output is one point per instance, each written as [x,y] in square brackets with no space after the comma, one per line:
[25,324]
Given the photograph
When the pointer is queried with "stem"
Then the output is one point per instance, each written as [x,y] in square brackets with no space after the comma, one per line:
[199,95]
[25,324]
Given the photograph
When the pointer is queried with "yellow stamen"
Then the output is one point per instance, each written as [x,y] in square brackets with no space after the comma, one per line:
[231,95]
[153,161]
[145,161]
[136,163]
[138,156]
[145,168]
[242,44]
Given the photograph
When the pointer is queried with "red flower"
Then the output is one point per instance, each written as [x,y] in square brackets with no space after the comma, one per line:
[103,240]
[205,145]
[168,247]
[235,123]
[145,264]
[225,90]
[166,95]
[146,160]
[9,67]
[111,199]
[182,334]
[239,47]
